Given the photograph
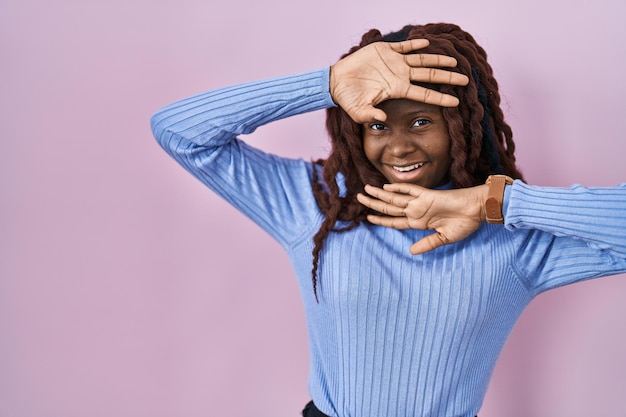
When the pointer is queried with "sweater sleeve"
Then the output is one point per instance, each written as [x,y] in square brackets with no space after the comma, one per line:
[568,234]
[201,133]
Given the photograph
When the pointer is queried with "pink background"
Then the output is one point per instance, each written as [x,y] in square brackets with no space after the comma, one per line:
[129,290]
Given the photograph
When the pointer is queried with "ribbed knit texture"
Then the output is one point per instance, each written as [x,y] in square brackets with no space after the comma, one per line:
[393,334]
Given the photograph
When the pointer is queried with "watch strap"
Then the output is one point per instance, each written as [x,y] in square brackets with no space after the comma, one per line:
[495,197]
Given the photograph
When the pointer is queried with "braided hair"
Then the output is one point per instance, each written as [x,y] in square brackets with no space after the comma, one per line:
[481,141]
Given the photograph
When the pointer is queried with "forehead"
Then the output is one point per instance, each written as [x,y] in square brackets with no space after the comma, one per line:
[408,106]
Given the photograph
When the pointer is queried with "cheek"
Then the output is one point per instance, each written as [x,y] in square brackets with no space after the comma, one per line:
[447,155]
[370,149]
[445,145]
[446,150]
[442,151]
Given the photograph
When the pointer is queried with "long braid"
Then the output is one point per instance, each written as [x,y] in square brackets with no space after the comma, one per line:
[481,141]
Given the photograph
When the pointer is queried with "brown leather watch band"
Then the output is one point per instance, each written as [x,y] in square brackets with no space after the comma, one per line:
[493,204]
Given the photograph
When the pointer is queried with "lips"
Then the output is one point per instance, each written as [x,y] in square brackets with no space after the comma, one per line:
[408,168]
[413,173]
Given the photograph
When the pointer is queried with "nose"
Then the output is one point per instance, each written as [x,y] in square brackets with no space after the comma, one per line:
[400,145]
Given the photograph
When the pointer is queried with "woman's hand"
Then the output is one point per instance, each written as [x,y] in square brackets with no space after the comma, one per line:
[453,214]
[384,70]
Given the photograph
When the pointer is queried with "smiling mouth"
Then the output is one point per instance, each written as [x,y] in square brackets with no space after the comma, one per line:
[408,168]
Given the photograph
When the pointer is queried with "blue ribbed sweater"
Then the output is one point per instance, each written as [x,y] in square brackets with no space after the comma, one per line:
[393,335]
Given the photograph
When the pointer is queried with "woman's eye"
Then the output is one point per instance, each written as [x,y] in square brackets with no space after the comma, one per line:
[377,126]
[421,122]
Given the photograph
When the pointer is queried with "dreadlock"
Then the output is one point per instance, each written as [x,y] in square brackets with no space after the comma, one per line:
[481,141]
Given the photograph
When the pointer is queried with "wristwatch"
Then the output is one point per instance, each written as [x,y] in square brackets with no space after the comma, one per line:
[493,204]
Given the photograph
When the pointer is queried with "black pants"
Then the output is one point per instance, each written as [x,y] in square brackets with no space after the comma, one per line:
[310,410]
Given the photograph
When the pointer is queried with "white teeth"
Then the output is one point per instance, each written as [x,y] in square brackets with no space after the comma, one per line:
[409,168]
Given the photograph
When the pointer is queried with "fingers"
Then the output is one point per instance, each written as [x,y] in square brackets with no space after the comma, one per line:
[437,76]
[430,60]
[380,206]
[402,187]
[397,199]
[367,114]
[428,243]
[411,45]
[392,222]
[428,96]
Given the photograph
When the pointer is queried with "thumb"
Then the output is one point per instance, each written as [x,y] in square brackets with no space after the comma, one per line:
[428,243]
[367,114]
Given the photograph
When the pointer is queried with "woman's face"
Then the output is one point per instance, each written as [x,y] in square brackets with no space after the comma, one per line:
[412,145]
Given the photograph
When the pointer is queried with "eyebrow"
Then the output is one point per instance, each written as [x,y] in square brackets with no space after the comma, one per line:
[418,112]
